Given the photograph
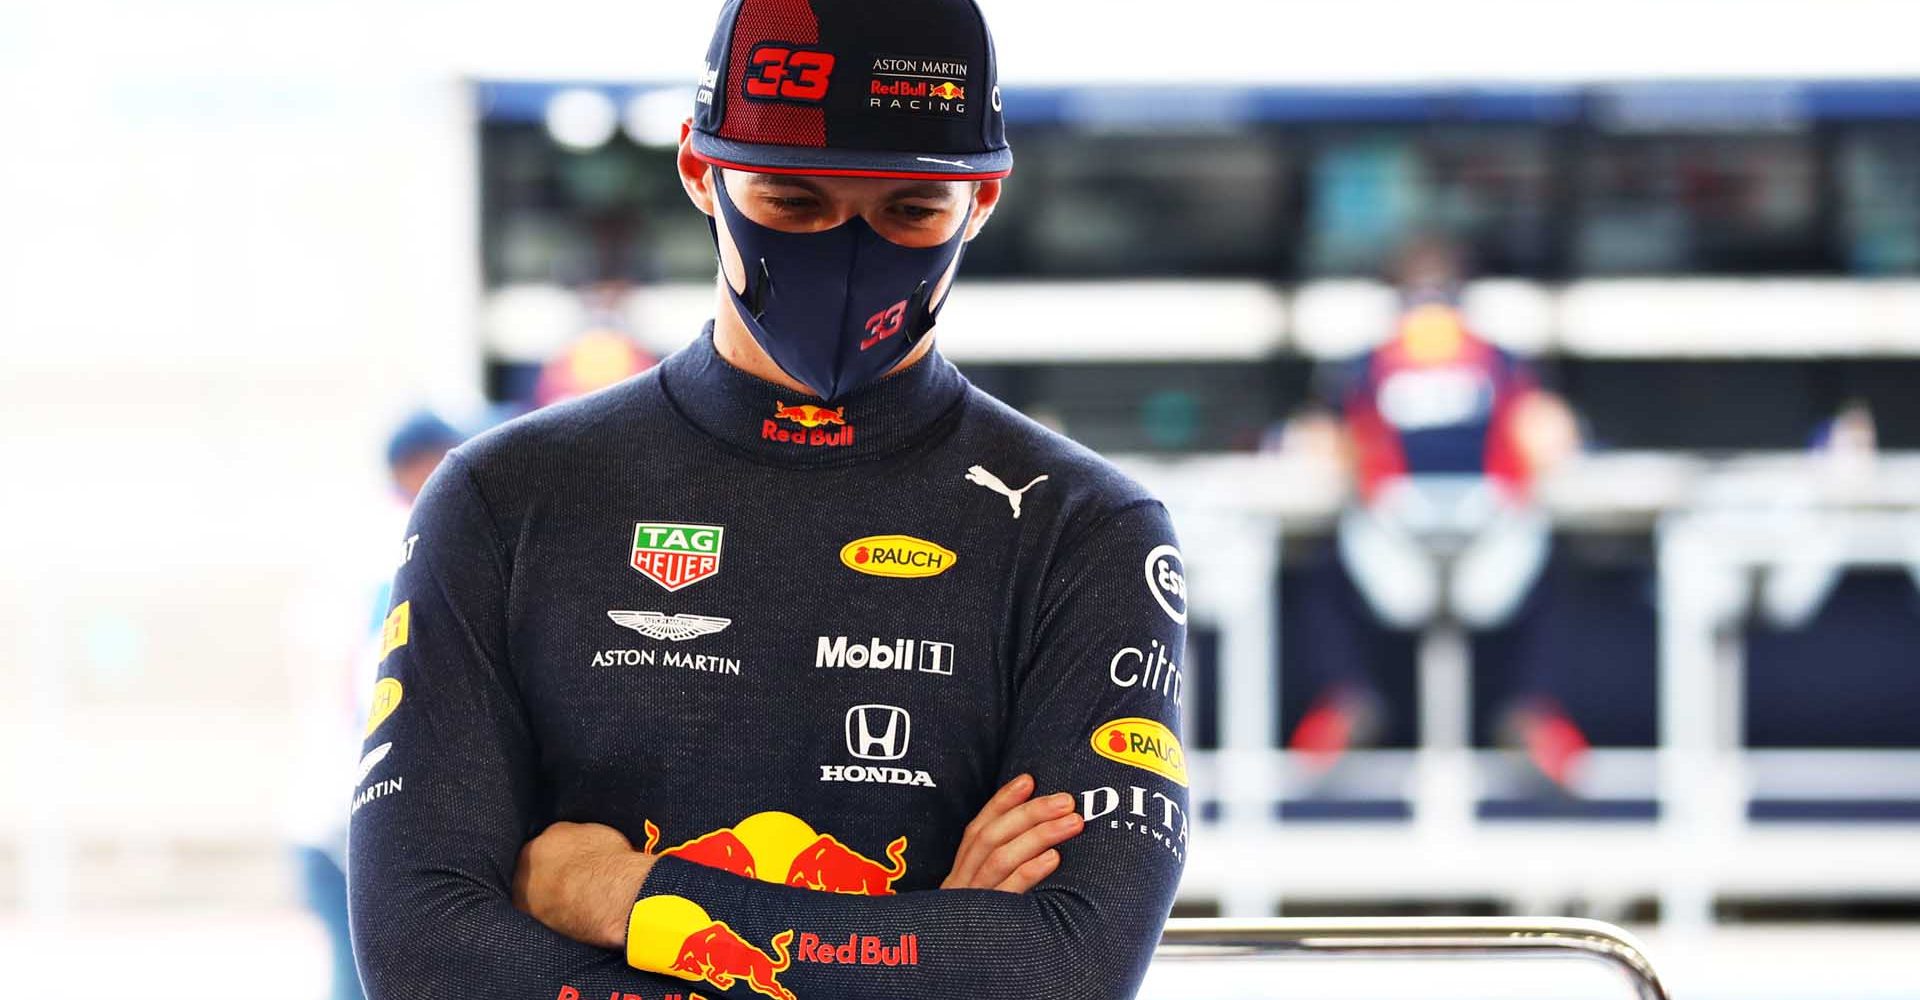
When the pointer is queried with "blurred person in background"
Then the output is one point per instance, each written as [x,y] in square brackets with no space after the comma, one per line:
[799,606]
[336,631]
[597,359]
[1444,435]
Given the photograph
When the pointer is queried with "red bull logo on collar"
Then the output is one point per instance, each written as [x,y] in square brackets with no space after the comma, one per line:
[811,416]
[812,432]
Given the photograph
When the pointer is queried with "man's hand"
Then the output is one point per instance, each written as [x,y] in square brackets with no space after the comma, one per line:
[1009,846]
[580,879]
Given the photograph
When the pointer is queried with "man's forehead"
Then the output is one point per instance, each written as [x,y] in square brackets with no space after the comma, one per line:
[829,186]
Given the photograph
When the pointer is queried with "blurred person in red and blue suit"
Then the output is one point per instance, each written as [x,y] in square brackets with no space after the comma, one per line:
[1444,435]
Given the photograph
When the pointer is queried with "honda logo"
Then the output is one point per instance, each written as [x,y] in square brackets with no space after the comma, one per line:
[877,732]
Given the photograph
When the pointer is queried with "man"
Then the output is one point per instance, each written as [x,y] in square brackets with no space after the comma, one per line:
[786,610]
[1446,436]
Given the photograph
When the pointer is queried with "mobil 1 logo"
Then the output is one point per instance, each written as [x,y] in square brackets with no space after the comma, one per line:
[875,653]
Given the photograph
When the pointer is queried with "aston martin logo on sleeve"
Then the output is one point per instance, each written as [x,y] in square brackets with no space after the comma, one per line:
[671,628]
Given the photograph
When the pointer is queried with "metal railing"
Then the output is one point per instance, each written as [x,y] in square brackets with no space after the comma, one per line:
[1468,937]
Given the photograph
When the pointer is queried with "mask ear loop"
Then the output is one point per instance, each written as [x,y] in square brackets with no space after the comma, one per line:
[757,292]
[917,308]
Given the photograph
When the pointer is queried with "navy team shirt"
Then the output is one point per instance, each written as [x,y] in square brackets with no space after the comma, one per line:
[789,649]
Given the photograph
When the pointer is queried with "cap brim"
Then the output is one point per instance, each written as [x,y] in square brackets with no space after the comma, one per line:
[767,159]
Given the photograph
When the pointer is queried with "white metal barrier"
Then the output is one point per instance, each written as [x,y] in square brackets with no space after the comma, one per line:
[1268,959]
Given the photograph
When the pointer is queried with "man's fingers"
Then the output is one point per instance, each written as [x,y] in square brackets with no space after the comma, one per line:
[1030,874]
[967,859]
[1029,845]
[1024,817]
[1009,795]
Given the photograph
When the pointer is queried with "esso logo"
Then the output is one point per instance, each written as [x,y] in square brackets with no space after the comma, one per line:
[779,72]
[1167,581]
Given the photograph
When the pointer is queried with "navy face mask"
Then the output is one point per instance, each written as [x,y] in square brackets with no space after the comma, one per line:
[836,309]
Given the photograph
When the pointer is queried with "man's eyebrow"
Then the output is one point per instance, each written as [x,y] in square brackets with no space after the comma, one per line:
[787,180]
[930,189]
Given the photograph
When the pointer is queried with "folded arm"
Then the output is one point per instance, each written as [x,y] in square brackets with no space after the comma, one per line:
[446,794]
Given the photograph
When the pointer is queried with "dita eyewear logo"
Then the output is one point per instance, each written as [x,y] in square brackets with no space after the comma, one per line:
[676,556]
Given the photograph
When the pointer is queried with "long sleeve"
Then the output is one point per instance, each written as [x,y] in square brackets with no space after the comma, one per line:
[1095,712]
[447,794]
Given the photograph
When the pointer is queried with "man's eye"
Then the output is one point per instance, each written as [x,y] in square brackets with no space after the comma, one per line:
[790,204]
[917,213]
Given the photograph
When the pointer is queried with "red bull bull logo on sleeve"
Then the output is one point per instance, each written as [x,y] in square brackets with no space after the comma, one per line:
[674,936]
[831,866]
[720,849]
[780,847]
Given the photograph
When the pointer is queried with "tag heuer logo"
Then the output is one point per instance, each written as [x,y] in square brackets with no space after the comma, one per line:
[676,555]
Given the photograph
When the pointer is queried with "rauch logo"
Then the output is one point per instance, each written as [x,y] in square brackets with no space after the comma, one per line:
[898,556]
[1145,744]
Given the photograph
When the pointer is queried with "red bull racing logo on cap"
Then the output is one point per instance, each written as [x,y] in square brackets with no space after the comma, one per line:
[819,427]
[677,555]
[918,86]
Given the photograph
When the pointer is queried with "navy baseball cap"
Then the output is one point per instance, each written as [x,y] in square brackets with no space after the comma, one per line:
[853,88]
[423,432]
